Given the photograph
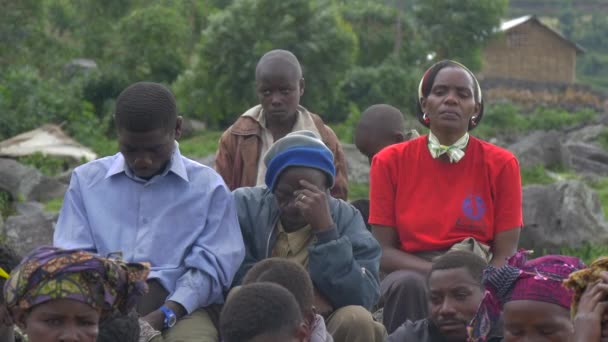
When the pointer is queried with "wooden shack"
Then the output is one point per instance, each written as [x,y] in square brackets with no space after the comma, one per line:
[527,49]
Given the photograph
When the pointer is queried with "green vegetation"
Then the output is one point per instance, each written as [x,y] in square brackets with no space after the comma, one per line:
[588,252]
[200,145]
[49,166]
[5,204]
[603,138]
[54,205]
[601,187]
[508,119]
[358,191]
[535,175]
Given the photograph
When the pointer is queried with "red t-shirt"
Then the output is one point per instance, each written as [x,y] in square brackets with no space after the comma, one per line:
[434,204]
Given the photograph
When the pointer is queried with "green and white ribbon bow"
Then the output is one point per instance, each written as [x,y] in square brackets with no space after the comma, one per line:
[455,151]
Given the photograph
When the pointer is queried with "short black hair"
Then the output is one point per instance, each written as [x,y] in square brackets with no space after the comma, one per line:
[145,106]
[119,328]
[281,56]
[461,259]
[8,261]
[428,79]
[286,273]
[259,308]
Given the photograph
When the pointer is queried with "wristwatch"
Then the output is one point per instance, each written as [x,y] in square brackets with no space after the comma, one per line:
[170,317]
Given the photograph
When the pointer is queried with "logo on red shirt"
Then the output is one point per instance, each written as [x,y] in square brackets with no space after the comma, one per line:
[473,207]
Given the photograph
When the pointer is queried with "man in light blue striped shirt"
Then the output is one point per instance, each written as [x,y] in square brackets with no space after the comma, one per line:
[149,203]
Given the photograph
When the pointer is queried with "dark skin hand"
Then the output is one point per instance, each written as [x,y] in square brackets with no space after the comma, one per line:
[591,313]
[314,206]
[156,318]
[504,246]
[395,259]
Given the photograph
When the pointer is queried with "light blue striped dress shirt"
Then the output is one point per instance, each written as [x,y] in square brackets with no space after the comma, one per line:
[182,221]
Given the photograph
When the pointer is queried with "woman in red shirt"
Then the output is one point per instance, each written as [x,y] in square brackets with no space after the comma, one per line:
[445,190]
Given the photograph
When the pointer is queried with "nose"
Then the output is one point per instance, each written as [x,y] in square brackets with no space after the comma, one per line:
[276,99]
[142,162]
[69,334]
[451,97]
[446,308]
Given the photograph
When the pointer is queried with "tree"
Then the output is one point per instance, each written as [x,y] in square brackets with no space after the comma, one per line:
[220,85]
[153,43]
[457,29]
[28,101]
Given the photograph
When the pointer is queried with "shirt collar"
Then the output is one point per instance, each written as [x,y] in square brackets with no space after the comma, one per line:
[176,166]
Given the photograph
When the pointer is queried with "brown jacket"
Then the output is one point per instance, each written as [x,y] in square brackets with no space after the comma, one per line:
[239,150]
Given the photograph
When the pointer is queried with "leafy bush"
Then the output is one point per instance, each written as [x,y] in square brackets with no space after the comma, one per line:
[220,85]
[535,175]
[28,101]
[49,166]
[388,82]
[153,43]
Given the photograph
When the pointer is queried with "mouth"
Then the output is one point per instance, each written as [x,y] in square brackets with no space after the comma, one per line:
[451,326]
[449,114]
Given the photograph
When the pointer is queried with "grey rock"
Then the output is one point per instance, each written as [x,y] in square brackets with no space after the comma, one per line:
[588,158]
[29,208]
[587,134]
[207,161]
[541,148]
[64,177]
[19,180]
[191,127]
[26,232]
[47,189]
[25,183]
[563,214]
[357,165]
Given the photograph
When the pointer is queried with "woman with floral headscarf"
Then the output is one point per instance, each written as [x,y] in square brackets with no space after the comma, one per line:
[445,190]
[63,295]
[532,298]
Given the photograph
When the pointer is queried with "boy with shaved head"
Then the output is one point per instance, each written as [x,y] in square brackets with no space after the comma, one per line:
[380,125]
[279,86]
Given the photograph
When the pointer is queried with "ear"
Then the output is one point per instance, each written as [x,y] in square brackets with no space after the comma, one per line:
[423,104]
[20,318]
[178,127]
[477,109]
[302,86]
[309,318]
[303,332]
[398,137]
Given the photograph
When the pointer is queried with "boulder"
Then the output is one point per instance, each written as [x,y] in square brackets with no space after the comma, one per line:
[541,148]
[191,127]
[29,208]
[587,134]
[19,180]
[588,158]
[26,232]
[357,164]
[562,214]
[25,183]
[207,161]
